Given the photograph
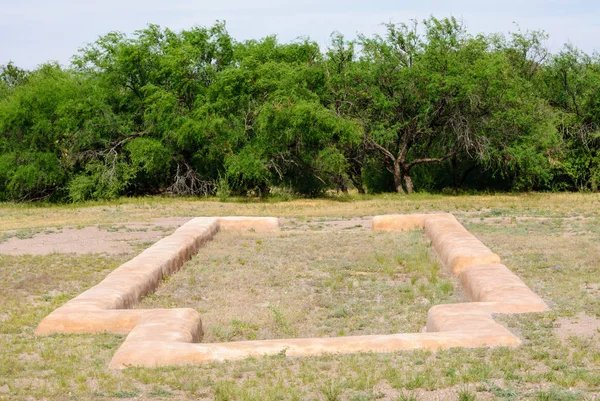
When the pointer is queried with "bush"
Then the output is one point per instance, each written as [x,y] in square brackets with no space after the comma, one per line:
[101,181]
[376,177]
[29,176]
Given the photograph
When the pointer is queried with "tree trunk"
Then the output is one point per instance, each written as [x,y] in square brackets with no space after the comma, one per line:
[466,174]
[455,173]
[356,180]
[409,183]
[344,187]
[398,178]
[264,190]
[355,172]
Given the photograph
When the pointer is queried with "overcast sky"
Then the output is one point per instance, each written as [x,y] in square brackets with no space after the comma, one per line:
[36,31]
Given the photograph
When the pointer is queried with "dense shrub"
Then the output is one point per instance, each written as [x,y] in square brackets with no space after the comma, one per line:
[423,107]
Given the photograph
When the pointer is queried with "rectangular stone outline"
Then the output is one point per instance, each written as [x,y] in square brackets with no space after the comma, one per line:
[161,337]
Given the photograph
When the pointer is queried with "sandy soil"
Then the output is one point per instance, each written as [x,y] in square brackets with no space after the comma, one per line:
[580,325]
[319,224]
[113,240]
[122,238]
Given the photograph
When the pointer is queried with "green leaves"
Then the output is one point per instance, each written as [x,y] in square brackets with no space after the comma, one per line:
[149,155]
[100,180]
[194,112]
[29,175]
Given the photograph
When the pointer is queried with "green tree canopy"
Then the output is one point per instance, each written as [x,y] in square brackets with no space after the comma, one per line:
[422,107]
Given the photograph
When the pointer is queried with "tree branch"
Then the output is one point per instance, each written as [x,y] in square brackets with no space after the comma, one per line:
[405,147]
[383,150]
[430,159]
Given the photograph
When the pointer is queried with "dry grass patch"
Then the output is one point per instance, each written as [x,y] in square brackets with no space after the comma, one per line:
[551,241]
[309,283]
[560,205]
[111,239]
[557,258]
[53,367]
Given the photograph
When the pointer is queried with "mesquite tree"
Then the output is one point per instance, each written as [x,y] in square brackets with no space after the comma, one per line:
[413,91]
[426,95]
[196,113]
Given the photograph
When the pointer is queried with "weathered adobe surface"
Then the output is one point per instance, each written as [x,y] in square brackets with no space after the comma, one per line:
[105,307]
[456,247]
[159,337]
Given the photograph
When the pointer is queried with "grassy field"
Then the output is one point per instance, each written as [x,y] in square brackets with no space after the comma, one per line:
[312,283]
[325,274]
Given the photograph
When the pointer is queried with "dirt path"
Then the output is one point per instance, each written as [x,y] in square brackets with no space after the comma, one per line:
[320,224]
[580,325]
[127,238]
[107,239]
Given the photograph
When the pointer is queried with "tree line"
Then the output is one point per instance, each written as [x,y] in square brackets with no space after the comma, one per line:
[427,106]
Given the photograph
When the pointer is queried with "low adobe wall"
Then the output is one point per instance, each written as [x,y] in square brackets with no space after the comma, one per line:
[106,306]
[502,288]
[456,247]
[159,337]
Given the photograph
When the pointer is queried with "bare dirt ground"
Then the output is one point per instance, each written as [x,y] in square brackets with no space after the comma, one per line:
[323,224]
[581,326]
[316,277]
[356,281]
[113,239]
[126,238]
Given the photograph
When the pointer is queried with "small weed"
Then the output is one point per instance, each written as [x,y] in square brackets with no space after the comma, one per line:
[125,394]
[332,391]
[367,396]
[135,230]
[558,395]
[495,212]
[407,396]
[504,394]
[20,234]
[224,391]
[339,312]
[161,393]
[281,321]
[466,395]
[380,258]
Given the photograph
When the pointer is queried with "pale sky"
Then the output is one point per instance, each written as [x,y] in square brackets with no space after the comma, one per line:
[36,31]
